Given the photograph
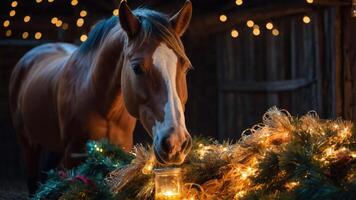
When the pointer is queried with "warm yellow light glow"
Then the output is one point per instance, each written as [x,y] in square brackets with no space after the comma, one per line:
[38,1]
[59,23]
[256,31]
[83,13]
[50,1]
[234,33]
[12,13]
[256,26]
[240,194]
[74,2]
[8,33]
[80,22]
[310,1]
[275,32]
[223,18]
[65,26]
[291,185]
[170,193]
[83,37]
[14,4]
[54,20]
[306,19]
[6,23]
[25,35]
[115,12]
[353,154]
[250,23]
[38,35]
[269,26]
[27,18]
[239,2]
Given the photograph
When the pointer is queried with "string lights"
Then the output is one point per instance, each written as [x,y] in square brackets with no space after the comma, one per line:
[250,23]
[83,13]
[269,25]
[25,35]
[27,19]
[83,37]
[80,21]
[239,2]
[14,4]
[234,33]
[8,33]
[115,12]
[6,23]
[38,35]
[223,18]
[306,19]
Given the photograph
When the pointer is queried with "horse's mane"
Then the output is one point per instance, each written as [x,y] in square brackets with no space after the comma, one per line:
[154,25]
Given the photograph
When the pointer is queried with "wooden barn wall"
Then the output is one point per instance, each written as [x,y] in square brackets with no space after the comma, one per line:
[11,161]
[347,73]
[294,71]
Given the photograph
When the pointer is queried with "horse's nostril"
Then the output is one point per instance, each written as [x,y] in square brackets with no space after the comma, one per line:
[166,145]
[185,144]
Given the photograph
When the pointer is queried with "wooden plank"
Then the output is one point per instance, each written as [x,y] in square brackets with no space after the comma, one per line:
[338,68]
[266,86]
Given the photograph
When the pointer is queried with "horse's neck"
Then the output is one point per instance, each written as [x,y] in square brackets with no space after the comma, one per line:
[105,73]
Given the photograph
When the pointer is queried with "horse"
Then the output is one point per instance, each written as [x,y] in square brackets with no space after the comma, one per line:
[132,67]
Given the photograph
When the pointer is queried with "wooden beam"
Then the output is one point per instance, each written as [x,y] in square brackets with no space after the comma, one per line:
[269,86]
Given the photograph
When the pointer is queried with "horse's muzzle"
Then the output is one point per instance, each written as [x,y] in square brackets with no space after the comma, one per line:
[173,148]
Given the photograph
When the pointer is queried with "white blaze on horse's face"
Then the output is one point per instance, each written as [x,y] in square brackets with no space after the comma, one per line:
[171,138]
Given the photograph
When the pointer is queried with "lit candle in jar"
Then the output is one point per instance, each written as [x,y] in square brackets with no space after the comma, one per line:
[168,184]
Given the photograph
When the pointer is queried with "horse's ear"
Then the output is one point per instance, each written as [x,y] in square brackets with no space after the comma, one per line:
[128,20]
[180,20]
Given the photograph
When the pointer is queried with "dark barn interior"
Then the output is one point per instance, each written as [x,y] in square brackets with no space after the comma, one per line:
[306,61]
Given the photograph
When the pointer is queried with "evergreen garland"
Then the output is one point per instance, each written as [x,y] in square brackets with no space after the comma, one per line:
[283,158]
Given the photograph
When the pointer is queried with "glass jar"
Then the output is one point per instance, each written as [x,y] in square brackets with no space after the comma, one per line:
[168,184]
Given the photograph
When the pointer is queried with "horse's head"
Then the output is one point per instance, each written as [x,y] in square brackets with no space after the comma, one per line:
[153,77]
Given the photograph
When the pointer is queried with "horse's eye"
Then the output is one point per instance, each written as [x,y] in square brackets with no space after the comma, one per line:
[137,69]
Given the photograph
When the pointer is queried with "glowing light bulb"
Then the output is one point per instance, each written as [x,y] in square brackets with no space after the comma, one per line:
[275,32]
[306,19]
[59,23]
[12,13]
[250,23]
[83,13]
[54,20]
[239,2]
[25,35]
[269,26]
[115,12]
[38,1]
[14,4]
[27,18]
[256,32]
[74,2]
[234,33]
[50,1]
[6,23]
[310,1]
[80,22]
[223,18]
[38,35]
[65,26]
[8,33]
[83,37]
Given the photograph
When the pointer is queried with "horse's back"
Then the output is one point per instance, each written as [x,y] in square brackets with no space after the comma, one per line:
[33,86]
